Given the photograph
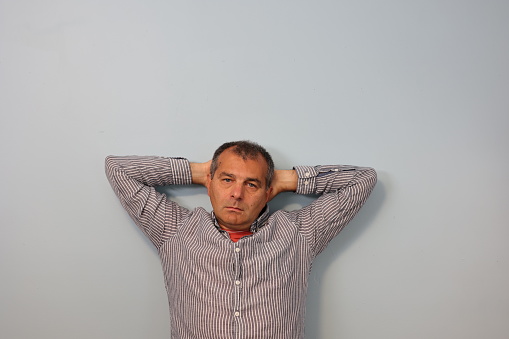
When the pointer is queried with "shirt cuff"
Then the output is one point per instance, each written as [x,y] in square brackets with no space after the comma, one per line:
[306,183]
[181,171]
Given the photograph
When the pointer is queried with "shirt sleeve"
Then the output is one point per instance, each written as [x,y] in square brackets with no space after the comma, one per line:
[343,190]
[133,179]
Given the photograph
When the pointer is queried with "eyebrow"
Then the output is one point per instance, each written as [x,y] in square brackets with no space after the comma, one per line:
[258,181]
[255,180]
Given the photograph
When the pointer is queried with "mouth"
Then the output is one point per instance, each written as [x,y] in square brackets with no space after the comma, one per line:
[233,209]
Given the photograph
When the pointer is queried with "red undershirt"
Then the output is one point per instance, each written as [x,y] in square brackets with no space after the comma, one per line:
[236,235]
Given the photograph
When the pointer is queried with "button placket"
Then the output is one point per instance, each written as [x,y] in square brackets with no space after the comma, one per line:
[236,288]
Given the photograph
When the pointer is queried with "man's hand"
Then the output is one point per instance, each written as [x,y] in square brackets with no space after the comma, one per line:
[283,181]
[199,172]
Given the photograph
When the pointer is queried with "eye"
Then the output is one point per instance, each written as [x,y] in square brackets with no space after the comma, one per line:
[227,180]
[250,184]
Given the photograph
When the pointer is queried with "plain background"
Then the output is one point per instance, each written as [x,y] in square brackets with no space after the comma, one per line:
[418,90]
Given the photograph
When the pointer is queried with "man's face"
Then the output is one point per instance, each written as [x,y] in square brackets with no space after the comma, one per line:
[238,190]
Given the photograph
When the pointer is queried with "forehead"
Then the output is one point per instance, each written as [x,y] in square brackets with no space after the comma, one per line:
[232,163]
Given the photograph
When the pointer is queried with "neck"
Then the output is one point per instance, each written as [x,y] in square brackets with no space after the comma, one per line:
[233,230]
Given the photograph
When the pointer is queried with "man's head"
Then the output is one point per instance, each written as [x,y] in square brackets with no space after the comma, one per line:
[239,183]
[245,150]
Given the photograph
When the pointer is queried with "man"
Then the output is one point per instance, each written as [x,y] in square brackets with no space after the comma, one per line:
[238,272]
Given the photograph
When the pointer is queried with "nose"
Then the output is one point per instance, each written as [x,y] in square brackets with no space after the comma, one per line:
[237,191]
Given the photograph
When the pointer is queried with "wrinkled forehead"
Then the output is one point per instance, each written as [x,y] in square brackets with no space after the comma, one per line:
[253,166]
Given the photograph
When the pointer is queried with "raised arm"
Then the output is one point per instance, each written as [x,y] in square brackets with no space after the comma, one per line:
[134,178]
[283,181]
[199,172]
[343,190]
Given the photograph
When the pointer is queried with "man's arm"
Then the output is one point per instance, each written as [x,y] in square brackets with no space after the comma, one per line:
[283,181]
[343,190]
[199,172]
[134,178]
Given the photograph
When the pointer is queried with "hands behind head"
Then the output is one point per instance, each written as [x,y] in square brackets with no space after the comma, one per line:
[283,181]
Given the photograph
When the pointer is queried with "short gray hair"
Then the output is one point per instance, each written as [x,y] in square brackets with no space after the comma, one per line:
[246,150]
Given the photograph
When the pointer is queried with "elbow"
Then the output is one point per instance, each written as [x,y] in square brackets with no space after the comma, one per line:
[374,176]
[108,161]
[370,178]
[109,165]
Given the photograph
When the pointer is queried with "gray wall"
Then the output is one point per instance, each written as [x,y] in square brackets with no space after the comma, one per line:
[417,89]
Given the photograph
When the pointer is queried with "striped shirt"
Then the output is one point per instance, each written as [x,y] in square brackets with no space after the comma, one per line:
[253,288]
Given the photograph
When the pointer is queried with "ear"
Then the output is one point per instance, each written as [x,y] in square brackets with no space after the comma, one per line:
[207,183]
[268,196]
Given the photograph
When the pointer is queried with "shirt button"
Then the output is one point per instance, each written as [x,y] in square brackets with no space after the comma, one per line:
[237,314]
[237,282]
[307,174]
[237,249]
[306,183]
